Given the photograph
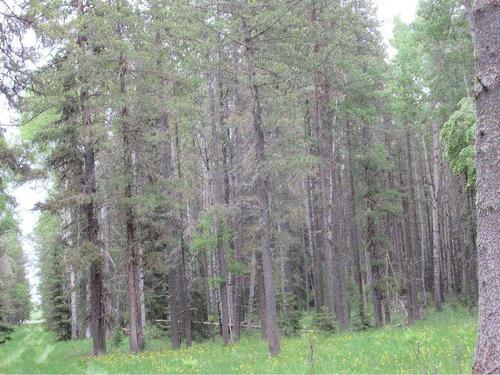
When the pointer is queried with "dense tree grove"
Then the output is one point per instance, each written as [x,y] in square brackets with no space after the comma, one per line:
[15,301]
[217,166]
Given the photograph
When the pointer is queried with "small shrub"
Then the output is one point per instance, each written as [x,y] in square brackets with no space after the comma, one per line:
[324,321]
[289,322]
[5,332]
[118,337]
[154,332]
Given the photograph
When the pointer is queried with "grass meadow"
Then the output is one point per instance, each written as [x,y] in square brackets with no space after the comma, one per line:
[442,343]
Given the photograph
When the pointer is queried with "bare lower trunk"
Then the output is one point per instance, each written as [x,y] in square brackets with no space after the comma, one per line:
[172,256]
[313,232]
[217,122]
[411,235]
[436,241]
[136,335]
[74,317]
[175,330]
[487,20]
[96,282]
[238,238]
[179,225]
[353,227]
[373,245]
[263,198]
[251,292]
[142,300]
[340,291]
[97,297]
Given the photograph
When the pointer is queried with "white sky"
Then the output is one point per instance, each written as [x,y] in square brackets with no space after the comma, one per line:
[30,194]
[387,10]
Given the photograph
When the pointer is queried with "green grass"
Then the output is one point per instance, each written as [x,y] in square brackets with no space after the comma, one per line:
[443,343]
[36,314]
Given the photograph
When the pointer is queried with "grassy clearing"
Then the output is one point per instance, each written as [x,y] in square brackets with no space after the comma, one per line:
[443,343]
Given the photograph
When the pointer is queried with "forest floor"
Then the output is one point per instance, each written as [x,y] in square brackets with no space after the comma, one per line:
[442,343]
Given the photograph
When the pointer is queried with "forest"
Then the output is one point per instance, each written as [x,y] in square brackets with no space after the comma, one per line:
[251,169]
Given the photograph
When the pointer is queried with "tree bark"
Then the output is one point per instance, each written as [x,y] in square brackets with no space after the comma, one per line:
[263,197]
[97,297]
[96,282]
[182,292]
[74,317]
[238,236]
[436,241]
[487,56]
[309,187]
[251,291]
[136,335]
[217,120]
[166,171]
[410,229]
[353,226]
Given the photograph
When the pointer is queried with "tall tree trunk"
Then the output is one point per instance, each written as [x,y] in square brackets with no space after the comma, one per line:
[373,245]
[182,292]
[74,316]
[410,229]
[436,241]
[166,171]
[238,236]
[340,292]
[96,283]
[263,197]
[262,297]
[487,54]
[309,187]
[142,297]
[353,226]
[68,222]
[136,335]
[217,117]
[251,291]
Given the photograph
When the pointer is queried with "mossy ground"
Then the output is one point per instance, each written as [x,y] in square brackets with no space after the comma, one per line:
[442,343]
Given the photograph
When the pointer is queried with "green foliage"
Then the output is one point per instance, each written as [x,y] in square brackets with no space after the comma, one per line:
[118,337]
[458,134]
[290,318]
[199,310]
[324,321]
[15,300]
[35,125]
[153,332]
[53,280]
[204,239]
[5,332]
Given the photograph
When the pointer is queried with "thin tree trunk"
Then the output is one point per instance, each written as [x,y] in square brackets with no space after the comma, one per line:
[436,241]
[312,223]
[96,283]
[142,300]
[166,171]
[217,117]
[423,235]
[353,227]
[136,336]
[410,224]
[251,292]
[74,316]
[182,292]
[263,197]
[238,237]
[373,245]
